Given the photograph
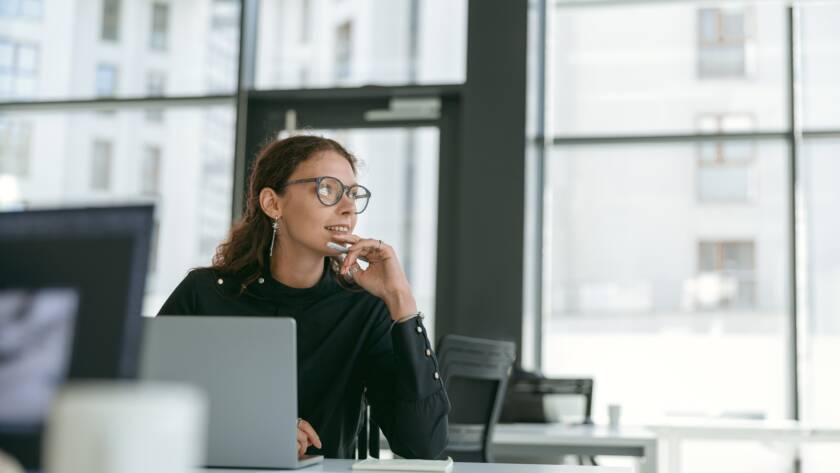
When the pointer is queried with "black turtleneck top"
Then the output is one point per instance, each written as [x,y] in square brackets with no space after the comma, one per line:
[348,350]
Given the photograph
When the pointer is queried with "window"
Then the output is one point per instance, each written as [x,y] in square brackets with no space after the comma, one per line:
[632,69]
[724,168]
[634,268]
[343,50]
[106,80]
[722,42]
[160,27]
[31,9]
[15,138]
[150,175]
[101,163]
[306,21]
[18,69]
[111,20]
[725,276]
[401,43]
[155,85]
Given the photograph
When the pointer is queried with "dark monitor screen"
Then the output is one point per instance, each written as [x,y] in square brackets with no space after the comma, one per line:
[71,291]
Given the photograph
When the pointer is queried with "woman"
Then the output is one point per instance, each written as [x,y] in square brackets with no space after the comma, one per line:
[359,331]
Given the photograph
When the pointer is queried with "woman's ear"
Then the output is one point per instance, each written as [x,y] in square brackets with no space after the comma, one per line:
[270,203]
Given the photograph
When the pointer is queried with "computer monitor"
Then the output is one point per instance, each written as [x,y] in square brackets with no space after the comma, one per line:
[71,291]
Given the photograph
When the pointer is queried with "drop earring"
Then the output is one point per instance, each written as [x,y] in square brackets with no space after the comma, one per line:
[274,226]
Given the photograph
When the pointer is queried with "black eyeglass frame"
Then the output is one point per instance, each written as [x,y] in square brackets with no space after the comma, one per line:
[345,190]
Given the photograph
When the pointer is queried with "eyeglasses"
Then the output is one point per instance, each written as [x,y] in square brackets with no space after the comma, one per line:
[330,190]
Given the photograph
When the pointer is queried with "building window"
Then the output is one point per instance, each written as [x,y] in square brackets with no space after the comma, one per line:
[306,21]
[160,29]
[150,175]
[18,69]
[101,164]
[343,50]
[155,86]
[723,39]
[106,80]
[15,139]
[726,275]
[21,8]
[725,167]
[111,20]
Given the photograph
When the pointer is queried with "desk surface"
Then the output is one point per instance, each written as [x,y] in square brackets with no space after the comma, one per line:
[336,466]
[556,434]
[745,429]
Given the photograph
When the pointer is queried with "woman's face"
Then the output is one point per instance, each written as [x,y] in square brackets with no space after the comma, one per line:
[306,221]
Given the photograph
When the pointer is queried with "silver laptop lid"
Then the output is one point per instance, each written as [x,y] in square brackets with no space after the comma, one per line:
[248,368]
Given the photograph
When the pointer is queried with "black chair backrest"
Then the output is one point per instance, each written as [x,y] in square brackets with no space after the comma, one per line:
[475,372]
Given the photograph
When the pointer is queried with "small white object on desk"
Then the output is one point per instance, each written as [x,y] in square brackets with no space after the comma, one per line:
[374,464]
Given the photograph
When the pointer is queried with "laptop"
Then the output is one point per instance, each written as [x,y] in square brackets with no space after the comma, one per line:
[247,366]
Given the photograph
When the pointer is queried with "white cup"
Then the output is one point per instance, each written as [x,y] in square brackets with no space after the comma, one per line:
[614,411]
[123,427]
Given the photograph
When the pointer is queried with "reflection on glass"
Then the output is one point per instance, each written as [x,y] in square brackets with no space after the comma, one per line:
[57,53]
[186,169]
[655,67]
[323,43]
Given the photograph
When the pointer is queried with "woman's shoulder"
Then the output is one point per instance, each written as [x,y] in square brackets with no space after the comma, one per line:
[197,285]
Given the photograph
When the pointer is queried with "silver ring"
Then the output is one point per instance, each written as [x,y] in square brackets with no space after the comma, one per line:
[353,270]
[299,421]
[380,245]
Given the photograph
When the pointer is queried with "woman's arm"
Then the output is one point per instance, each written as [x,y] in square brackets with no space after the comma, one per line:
[405,391]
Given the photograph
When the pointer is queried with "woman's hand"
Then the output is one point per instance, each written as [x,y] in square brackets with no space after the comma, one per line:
[306,436]
[384,276]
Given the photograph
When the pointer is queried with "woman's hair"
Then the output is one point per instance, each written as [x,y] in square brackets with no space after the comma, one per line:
[245,252]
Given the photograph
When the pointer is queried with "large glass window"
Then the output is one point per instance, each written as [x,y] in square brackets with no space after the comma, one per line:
[78,158]
[56,56]
[653,68]
[675,307]
[820,168]
[667,252]
[360,42]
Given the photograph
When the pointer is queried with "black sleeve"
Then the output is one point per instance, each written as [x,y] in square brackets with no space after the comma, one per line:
[405,390]
[182,299]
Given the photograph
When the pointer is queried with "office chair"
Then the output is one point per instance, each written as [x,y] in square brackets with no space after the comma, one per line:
[475,372]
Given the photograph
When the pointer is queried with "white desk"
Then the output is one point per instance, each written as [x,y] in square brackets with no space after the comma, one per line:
[674,431]
[560,439]
[336,466]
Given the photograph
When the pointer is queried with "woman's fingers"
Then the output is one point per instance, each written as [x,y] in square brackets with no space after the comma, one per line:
[367,250]
[309,432]
[302,442]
